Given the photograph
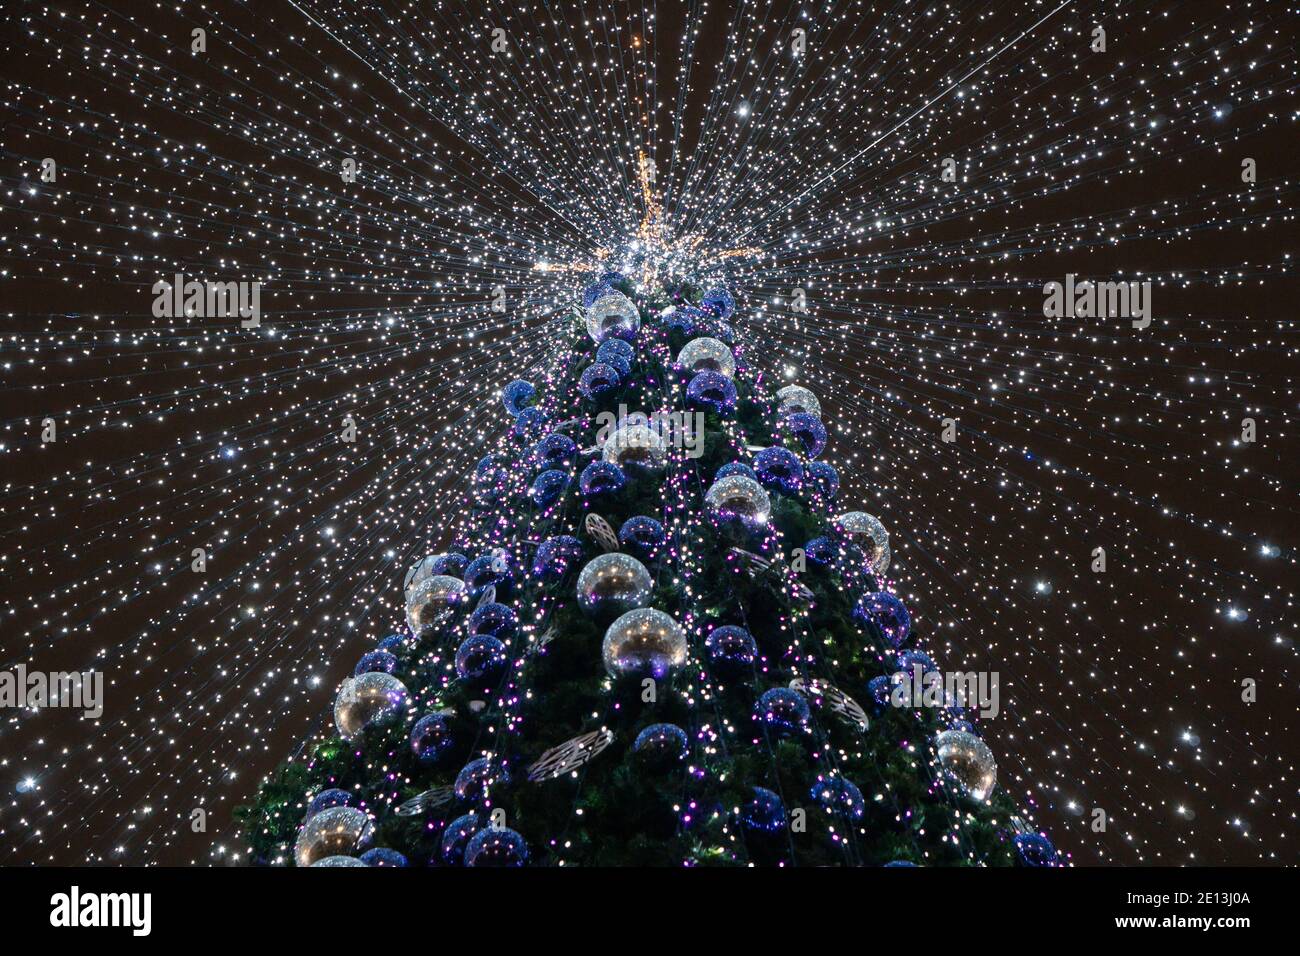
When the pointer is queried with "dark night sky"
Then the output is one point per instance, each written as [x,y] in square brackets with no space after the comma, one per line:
[1095,433]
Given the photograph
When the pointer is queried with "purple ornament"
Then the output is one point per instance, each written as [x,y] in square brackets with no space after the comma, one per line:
[452,564]
[530,424]
[456,838]
[431,738]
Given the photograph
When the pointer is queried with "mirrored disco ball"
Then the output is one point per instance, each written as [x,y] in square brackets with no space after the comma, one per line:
[707,355]
[429,601]
[644,643]
[614,584]
[613,316]
[739,500]
[369,699]
[796,398]
[968,762]
[635,446]
[337,831]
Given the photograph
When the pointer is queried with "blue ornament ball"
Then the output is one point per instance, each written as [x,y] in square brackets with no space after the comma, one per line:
[821,551]
[452,564]
[498,620]
[490,477]
[684,319]
[613,351]
[719,302]
[383,856]
[723,332]
[731,651]
[642,536]
[476,777]
[1035,850]
[839,796]
[822,478]
[390,642]
[908,660]
[779,469]
[431,739]
[555,451]
[735,468]
[481,658]
[518,395]
[782,711]
[548,487]
[376,661]
[763,812]
[597,380]
[601,478]
[496,846]
[489,570]
[878,689]
[661,745]
[455,839]
[900,863]
[808,432]
[556,556]
[887,613]
[712,390]
[530,424]
[326,799]
[593,292]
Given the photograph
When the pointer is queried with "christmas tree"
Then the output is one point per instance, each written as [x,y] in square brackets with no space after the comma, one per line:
[647,642]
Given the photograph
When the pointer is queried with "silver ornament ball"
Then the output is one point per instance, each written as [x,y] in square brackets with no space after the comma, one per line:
[614,584]
[428,601]
[372,698]
[796,398]
[636,445]
[737,498]
[612,316]
[337,831]
[644,643]
[867,532]
[707,355]
[968,762]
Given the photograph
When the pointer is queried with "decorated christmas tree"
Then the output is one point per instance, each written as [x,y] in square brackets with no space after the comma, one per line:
[647,641]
